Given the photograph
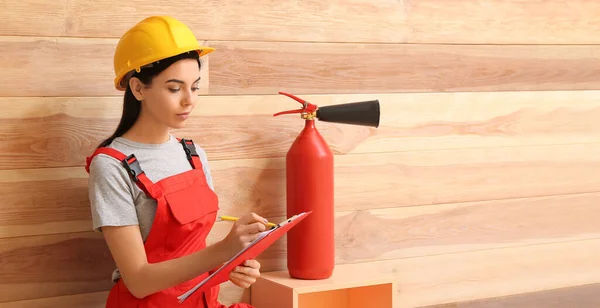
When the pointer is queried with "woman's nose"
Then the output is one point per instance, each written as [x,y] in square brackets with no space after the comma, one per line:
[188,98]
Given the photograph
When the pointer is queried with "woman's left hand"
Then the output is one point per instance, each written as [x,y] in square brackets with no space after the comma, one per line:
[245,275]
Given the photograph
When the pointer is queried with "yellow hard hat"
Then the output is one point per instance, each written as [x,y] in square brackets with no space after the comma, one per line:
[154,38]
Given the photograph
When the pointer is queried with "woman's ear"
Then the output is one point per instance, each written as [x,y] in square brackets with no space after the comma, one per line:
[136,88]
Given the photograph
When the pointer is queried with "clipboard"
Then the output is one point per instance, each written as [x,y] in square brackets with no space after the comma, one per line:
[260,244]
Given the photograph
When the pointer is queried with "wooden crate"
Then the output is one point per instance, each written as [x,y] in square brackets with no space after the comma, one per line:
[345,289]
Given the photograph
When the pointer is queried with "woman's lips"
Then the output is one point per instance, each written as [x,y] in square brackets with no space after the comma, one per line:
[184,115]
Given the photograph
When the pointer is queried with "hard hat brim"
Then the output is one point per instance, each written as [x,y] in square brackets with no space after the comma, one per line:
[118,81]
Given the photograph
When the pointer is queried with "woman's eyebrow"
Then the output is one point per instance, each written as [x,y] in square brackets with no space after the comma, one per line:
[181,81]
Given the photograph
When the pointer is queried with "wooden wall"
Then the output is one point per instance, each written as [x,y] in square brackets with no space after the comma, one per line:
[482,181]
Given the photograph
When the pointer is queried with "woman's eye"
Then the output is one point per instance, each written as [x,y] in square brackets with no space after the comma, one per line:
[173,90]
[195,88]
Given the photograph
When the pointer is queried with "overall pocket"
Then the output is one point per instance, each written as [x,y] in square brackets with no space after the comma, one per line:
[192,203]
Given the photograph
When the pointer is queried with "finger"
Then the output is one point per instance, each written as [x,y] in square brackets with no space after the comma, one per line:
[250,229]
[238,282]
[247,231]
[248,271]
[242,277]
[251,218]
[248,274]
[252,263]
[254,228]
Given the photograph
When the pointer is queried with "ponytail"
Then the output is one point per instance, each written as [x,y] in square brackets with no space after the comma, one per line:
[131,112]
[131,105]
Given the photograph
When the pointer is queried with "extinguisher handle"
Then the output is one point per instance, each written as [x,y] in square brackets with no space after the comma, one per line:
[289,112]
[306,106]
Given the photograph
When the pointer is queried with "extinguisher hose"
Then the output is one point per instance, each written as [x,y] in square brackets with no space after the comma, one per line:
[366,113]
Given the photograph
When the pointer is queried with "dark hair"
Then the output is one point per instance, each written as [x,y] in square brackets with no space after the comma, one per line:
[131,106]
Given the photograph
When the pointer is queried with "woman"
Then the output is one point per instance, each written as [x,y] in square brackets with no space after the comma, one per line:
[151,194]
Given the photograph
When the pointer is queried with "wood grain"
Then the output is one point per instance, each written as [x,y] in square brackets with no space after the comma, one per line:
[33,66]
[407,232]
[362,181]
[61,132]
[403,232]
[302,68]
[368,235]
[386,21]
[424,280]
[451,278]
[56,202]
[308,68]
[61,265]
[54,265]
[502,22]
[85,300]
[228,295]
[577,296]
[467,276]
[386,234]
[46,66]
[477,186]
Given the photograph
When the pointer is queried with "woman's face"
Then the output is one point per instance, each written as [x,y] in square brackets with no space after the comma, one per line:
[172,95]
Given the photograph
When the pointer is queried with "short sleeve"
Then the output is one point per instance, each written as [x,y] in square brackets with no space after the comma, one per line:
[205,166]
[110,194]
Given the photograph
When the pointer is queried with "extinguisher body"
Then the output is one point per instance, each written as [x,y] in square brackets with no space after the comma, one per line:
[310,187]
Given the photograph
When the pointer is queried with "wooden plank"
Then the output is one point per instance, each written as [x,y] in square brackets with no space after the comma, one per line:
[362,181]
[33,17]
[87,300]
[403,232]
[57,202]
[228,295]
[301,68]
[502,22]
[309,68]
[386,21]
[577,296]
[451,278]
[33,66]
[58,266]
[406,232]
[54,265]
[58,262]
[426,280]
[40,66]
[61,132]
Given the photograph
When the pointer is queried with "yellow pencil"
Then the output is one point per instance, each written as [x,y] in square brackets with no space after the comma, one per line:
[231,218]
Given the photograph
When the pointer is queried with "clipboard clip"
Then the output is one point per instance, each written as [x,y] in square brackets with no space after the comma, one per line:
[287,221]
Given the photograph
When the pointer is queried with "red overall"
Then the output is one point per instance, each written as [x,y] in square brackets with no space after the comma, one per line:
[186,211]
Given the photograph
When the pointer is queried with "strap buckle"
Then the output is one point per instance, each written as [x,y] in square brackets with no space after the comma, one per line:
[190,149]
[133,167]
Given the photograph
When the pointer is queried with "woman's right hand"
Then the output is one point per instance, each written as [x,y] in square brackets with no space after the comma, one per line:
[243,232]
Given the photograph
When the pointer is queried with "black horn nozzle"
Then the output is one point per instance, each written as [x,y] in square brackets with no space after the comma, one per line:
[364,113]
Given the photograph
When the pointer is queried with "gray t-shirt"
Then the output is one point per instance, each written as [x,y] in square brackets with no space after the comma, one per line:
[115,198]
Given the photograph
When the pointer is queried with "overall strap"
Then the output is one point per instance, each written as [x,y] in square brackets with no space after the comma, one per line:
[132,165]
[191,153]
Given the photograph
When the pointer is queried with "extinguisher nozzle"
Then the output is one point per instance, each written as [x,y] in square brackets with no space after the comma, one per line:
[365,113]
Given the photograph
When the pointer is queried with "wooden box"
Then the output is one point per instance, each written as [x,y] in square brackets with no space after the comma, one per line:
[345,289]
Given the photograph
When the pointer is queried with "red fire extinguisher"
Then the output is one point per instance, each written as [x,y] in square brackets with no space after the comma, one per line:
[310,186]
